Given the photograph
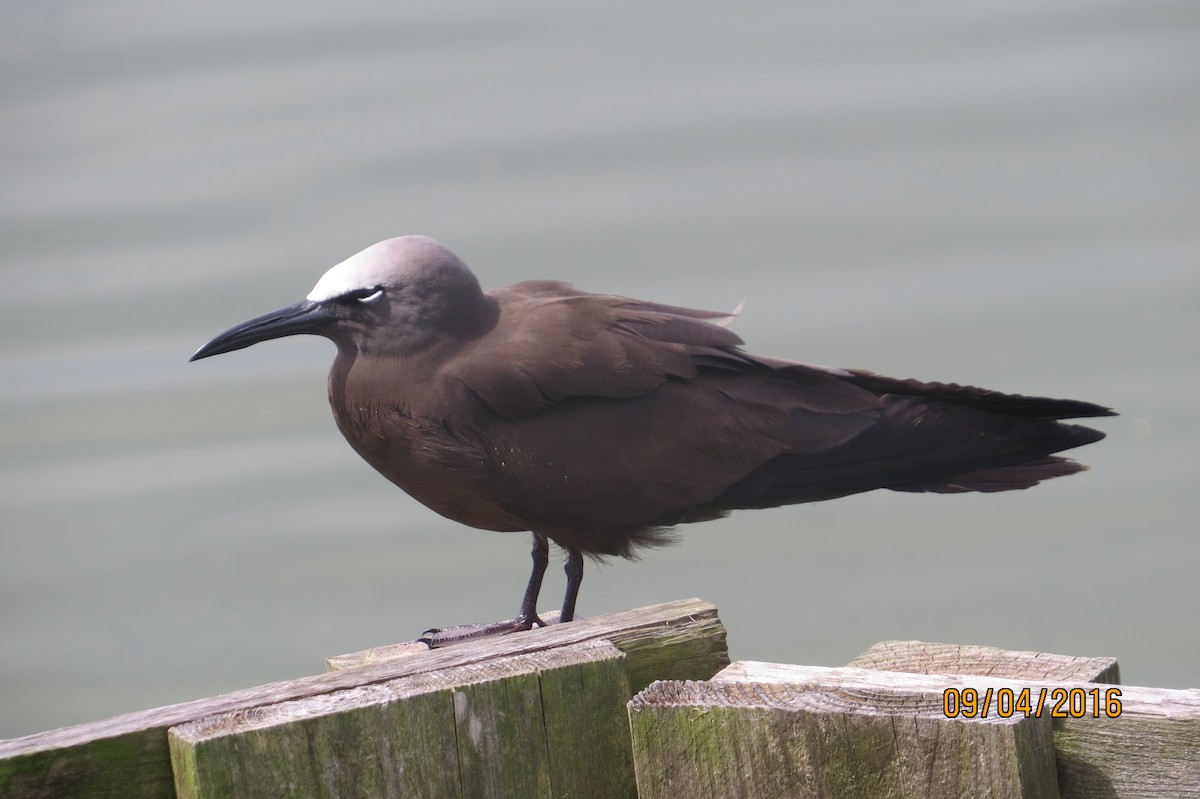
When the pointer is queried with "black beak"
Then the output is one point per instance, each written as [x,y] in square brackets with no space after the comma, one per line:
[303,317]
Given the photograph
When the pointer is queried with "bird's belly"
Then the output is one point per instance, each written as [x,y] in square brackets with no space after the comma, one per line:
[442,472]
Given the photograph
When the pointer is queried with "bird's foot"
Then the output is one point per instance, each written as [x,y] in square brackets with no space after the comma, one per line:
[445,636]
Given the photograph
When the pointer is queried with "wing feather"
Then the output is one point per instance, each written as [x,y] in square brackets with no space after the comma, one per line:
[552,343]
[574,383]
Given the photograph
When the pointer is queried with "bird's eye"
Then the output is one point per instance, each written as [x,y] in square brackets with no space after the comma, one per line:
[367,296]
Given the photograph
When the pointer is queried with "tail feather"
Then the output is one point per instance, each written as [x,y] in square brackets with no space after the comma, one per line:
[919,445]
[981,398]
[1006,478]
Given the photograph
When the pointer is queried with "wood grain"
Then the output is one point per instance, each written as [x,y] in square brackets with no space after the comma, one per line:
[923,657]
[129,756]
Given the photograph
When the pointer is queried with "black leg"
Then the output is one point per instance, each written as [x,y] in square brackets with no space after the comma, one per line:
[574,570]
[541,558]
[525,619]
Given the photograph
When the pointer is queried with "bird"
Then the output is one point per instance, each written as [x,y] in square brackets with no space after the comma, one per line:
[600,423]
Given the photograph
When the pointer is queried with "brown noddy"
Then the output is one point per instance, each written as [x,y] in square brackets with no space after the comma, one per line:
[600,422]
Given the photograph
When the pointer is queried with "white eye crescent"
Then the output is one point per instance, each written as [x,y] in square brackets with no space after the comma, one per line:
[372,298]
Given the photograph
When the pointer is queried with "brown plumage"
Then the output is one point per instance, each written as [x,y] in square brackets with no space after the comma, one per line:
[599,422]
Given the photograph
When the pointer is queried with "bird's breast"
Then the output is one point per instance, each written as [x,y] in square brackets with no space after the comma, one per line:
[420,440]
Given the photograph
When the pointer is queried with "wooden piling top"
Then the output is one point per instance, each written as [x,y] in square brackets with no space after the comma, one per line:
[642,703]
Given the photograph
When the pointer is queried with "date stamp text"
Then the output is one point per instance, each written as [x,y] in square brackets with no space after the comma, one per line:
[1060,703]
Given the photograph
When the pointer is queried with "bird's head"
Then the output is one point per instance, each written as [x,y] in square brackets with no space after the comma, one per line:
[397,297]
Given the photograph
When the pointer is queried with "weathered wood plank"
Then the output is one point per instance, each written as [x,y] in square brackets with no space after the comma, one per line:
[501,742]
[1152,748]
[765,740]
[378,654]
[374,655]
[490,729]
[587,730]
[685,642]
[121,763]
[922,657]
[128,755]
[402,748]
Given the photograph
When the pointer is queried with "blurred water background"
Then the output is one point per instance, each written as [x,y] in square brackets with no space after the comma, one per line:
[998,193]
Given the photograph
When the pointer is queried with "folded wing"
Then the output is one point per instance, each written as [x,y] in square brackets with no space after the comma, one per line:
[576,382]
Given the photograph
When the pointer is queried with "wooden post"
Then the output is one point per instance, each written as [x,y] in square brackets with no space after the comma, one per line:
[745,737]
[922,657]
[545,724]
[544,713]
[1133,742]
[129,756]
[1151,747]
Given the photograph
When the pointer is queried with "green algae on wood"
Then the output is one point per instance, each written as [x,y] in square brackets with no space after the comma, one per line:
[129,756]
[478,730]
[742,739]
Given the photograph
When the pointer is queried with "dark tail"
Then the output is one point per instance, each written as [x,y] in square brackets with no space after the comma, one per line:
[934,437]
[983,399]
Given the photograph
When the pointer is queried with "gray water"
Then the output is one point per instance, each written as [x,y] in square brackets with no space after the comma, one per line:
[1004,193]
